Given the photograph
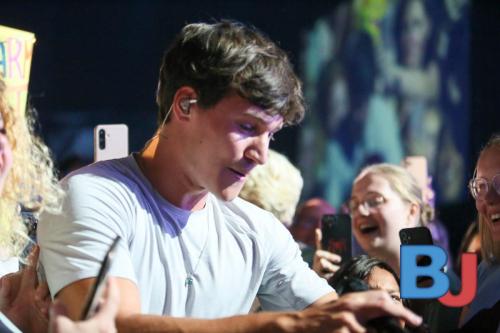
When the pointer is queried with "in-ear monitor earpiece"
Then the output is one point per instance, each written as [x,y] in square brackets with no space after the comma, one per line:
[186,103]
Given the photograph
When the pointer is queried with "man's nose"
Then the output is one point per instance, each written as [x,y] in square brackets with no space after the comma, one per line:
[259,149]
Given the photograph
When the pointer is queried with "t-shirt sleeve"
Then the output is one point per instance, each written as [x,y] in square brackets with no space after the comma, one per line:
[74,243]
[288,282]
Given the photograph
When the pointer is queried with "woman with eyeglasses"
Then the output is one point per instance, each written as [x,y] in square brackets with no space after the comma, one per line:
[385,198]
[484,311]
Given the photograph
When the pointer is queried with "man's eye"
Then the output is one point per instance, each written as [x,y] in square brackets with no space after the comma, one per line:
[3,131]
[247,127]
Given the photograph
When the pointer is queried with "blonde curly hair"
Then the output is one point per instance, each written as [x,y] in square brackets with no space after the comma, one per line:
[31,182]
[275,187]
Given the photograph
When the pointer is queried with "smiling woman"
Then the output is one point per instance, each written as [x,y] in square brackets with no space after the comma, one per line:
[485,190]
[385,198]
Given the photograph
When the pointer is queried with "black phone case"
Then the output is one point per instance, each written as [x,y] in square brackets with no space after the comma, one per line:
[418,236]
[336,230]
[415,236]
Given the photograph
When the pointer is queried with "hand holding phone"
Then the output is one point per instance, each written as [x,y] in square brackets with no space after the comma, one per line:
[94,297]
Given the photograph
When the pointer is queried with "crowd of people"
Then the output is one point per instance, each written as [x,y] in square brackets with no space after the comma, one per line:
[203,212]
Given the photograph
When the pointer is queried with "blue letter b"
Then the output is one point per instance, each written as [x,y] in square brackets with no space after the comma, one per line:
[410,271]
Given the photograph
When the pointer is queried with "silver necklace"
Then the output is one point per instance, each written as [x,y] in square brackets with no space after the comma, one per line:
[190,271]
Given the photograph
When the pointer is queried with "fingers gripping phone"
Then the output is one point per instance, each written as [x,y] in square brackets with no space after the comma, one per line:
[95,294]
[110,141]
[336,230]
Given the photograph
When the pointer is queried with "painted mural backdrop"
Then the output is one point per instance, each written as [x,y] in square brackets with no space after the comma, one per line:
[386,79]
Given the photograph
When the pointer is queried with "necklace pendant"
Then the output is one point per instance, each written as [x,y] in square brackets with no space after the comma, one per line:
[188,282]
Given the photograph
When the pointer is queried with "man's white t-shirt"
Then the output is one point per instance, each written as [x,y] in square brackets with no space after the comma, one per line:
[234,250]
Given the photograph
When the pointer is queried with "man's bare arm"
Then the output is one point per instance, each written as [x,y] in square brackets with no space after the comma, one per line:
[349,311]
[73,297]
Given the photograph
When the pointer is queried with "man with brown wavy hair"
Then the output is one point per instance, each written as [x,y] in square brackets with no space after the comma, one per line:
[191,247]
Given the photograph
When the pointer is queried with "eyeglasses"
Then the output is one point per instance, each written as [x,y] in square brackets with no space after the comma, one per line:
[479,187]
[368,204]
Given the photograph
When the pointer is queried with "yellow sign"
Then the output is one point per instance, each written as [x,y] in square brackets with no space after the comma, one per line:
[16,51]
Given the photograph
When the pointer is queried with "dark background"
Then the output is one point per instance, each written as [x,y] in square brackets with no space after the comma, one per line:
[97,62]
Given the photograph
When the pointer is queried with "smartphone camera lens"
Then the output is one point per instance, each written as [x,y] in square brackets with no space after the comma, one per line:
[102,139]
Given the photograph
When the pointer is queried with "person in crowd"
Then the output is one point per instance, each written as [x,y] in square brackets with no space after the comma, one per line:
[306,221]
[28,181]
[483,312]
[376,273]
[275,187]
[385,198]
[193,248]
[471,243]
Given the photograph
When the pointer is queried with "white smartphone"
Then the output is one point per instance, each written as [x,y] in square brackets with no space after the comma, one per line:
[110,141]
[95,294]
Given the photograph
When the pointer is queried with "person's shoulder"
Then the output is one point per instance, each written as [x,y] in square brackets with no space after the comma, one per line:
[102,169]
[487,270]
[117,173]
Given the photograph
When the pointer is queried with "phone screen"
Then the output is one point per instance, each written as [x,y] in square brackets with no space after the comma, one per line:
[336,230]
[95,294]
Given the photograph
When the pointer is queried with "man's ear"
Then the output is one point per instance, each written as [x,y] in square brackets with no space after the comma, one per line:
[184,99]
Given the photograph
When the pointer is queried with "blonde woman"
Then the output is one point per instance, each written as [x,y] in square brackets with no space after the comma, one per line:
[482,314]
[27,180]
[385,199]
[31,182]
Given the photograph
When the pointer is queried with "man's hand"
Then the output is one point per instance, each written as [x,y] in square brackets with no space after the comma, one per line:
[349,314]
[25,301]
[103,321]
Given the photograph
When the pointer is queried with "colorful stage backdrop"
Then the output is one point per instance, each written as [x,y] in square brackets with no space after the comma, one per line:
[386,79]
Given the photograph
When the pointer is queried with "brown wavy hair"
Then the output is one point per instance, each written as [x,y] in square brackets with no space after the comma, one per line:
[215,59]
